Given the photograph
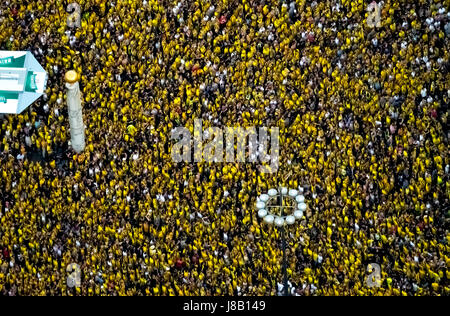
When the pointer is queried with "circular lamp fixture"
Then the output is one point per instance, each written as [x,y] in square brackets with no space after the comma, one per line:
[264,211]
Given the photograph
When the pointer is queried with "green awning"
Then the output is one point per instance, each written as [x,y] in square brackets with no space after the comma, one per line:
[12,62]
[5,96]
[31,82]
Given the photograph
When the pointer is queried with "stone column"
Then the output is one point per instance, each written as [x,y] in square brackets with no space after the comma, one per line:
[75,112]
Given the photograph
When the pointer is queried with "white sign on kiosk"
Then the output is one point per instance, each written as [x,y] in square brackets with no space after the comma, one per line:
[22,81]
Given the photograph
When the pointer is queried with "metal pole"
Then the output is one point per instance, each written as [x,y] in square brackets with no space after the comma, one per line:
[283,247]
[286,290]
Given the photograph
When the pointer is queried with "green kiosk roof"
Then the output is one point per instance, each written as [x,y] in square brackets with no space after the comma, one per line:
[22,81]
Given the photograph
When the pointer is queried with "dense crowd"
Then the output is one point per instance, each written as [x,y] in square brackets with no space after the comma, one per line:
[362,113]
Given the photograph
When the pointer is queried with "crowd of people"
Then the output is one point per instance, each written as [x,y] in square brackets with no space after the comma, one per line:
[362,113]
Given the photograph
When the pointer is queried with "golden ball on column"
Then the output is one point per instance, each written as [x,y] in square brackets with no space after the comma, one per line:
[71,76]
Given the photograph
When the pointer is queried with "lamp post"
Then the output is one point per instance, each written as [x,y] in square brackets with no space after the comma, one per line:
[283,218]
[75,111]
